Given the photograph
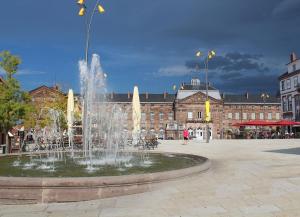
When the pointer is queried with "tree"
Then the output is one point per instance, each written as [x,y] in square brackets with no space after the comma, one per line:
[14,103]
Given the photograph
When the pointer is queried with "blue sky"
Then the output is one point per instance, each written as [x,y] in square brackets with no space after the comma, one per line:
[152,43]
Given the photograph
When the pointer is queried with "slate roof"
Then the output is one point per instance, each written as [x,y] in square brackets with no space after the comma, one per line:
[287,75]
[252,98]
[156,98]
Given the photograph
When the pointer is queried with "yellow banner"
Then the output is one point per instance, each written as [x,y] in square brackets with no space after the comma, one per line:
[207,111]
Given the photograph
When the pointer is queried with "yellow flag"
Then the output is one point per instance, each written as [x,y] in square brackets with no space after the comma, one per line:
[207,111]
[80,2]
[100,9]
[81,12]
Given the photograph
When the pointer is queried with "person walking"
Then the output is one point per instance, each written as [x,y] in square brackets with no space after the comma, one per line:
[185,136]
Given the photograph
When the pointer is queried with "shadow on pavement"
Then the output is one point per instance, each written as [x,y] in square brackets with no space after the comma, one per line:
[295,151]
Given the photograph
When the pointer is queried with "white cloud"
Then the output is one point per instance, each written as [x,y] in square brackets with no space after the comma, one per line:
[173,71]
[24,72]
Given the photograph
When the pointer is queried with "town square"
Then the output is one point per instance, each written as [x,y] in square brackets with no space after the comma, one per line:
[134,108]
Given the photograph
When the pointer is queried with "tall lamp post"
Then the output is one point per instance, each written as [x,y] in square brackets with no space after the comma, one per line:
[211,54]
[264,97]
[82,11]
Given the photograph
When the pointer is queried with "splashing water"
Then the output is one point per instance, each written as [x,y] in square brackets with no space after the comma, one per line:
[103,124]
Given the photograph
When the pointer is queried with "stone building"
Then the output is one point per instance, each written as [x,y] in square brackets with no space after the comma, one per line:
[43,94]
[166,115]
[290,89]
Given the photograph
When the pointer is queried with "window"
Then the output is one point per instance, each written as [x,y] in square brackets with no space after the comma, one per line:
[229,115]
[199,115]
[190,115]
[294,67]
[288,84]
[296,81]
[277,116]
[161,116]
[170,116]
[237,116]
[282,85]
[244,116]
[284,104]
[269,116]
[290,103]
[152,116]
[143,117]
[261,116]
[253,116]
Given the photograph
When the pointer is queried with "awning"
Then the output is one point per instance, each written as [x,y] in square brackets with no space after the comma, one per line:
[267,123]
[287,123]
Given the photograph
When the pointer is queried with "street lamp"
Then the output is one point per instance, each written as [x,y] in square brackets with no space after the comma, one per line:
[211,54]
[264,97]
[82,11]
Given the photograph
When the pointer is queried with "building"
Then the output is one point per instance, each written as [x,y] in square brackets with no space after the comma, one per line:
[290,90]
[166,115]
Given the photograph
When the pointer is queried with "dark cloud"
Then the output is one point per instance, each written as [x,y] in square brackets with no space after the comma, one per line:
[252,83]
[233,62]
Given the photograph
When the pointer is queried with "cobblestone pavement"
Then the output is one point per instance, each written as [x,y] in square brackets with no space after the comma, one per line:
[253,178]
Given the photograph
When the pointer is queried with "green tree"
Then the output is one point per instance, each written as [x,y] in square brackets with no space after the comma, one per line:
[14,103]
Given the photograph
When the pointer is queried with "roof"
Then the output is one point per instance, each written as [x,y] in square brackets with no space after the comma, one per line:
[53,89]
[156,98]
[251,99]
[287,75]
[202,86]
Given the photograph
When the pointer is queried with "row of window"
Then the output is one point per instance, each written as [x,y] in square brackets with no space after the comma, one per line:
[286,84]
[190,115]
[287,103]
[160,115]
[246,116]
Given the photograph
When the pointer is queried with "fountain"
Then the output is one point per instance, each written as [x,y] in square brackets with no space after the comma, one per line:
[106,164]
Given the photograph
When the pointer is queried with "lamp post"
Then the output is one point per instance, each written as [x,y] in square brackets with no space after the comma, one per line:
[211,54]
[264,97]
[82,12]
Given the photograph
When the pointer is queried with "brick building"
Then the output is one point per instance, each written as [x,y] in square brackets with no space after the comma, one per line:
[166,115]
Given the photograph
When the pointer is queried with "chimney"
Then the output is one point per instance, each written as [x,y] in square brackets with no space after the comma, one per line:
[128,95]
[293,57]
[56,87]
[165,95]
[147,95]
[247,95]
[112,95]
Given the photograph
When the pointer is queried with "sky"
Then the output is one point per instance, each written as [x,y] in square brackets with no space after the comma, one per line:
[152,44]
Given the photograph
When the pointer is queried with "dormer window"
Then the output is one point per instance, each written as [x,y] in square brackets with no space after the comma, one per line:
[294,67]
[195,81]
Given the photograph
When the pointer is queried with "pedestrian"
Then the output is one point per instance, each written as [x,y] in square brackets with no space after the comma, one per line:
[185,136]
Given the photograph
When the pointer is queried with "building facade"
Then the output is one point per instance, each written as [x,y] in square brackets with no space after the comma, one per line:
[167,115]
[290,90]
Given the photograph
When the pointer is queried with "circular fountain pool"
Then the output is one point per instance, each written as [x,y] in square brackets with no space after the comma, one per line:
[63,165]
[26,180]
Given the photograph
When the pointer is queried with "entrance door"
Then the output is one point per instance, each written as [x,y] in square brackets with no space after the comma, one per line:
[199,134]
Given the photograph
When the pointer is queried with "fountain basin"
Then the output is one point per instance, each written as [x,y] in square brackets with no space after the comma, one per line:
[22,190]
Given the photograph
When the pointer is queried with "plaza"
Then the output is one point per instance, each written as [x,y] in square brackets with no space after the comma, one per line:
[247,178]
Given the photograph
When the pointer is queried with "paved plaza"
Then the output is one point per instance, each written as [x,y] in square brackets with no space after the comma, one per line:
[253,178]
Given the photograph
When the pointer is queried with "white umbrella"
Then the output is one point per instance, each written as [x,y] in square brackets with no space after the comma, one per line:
[70,113]
[136,115]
